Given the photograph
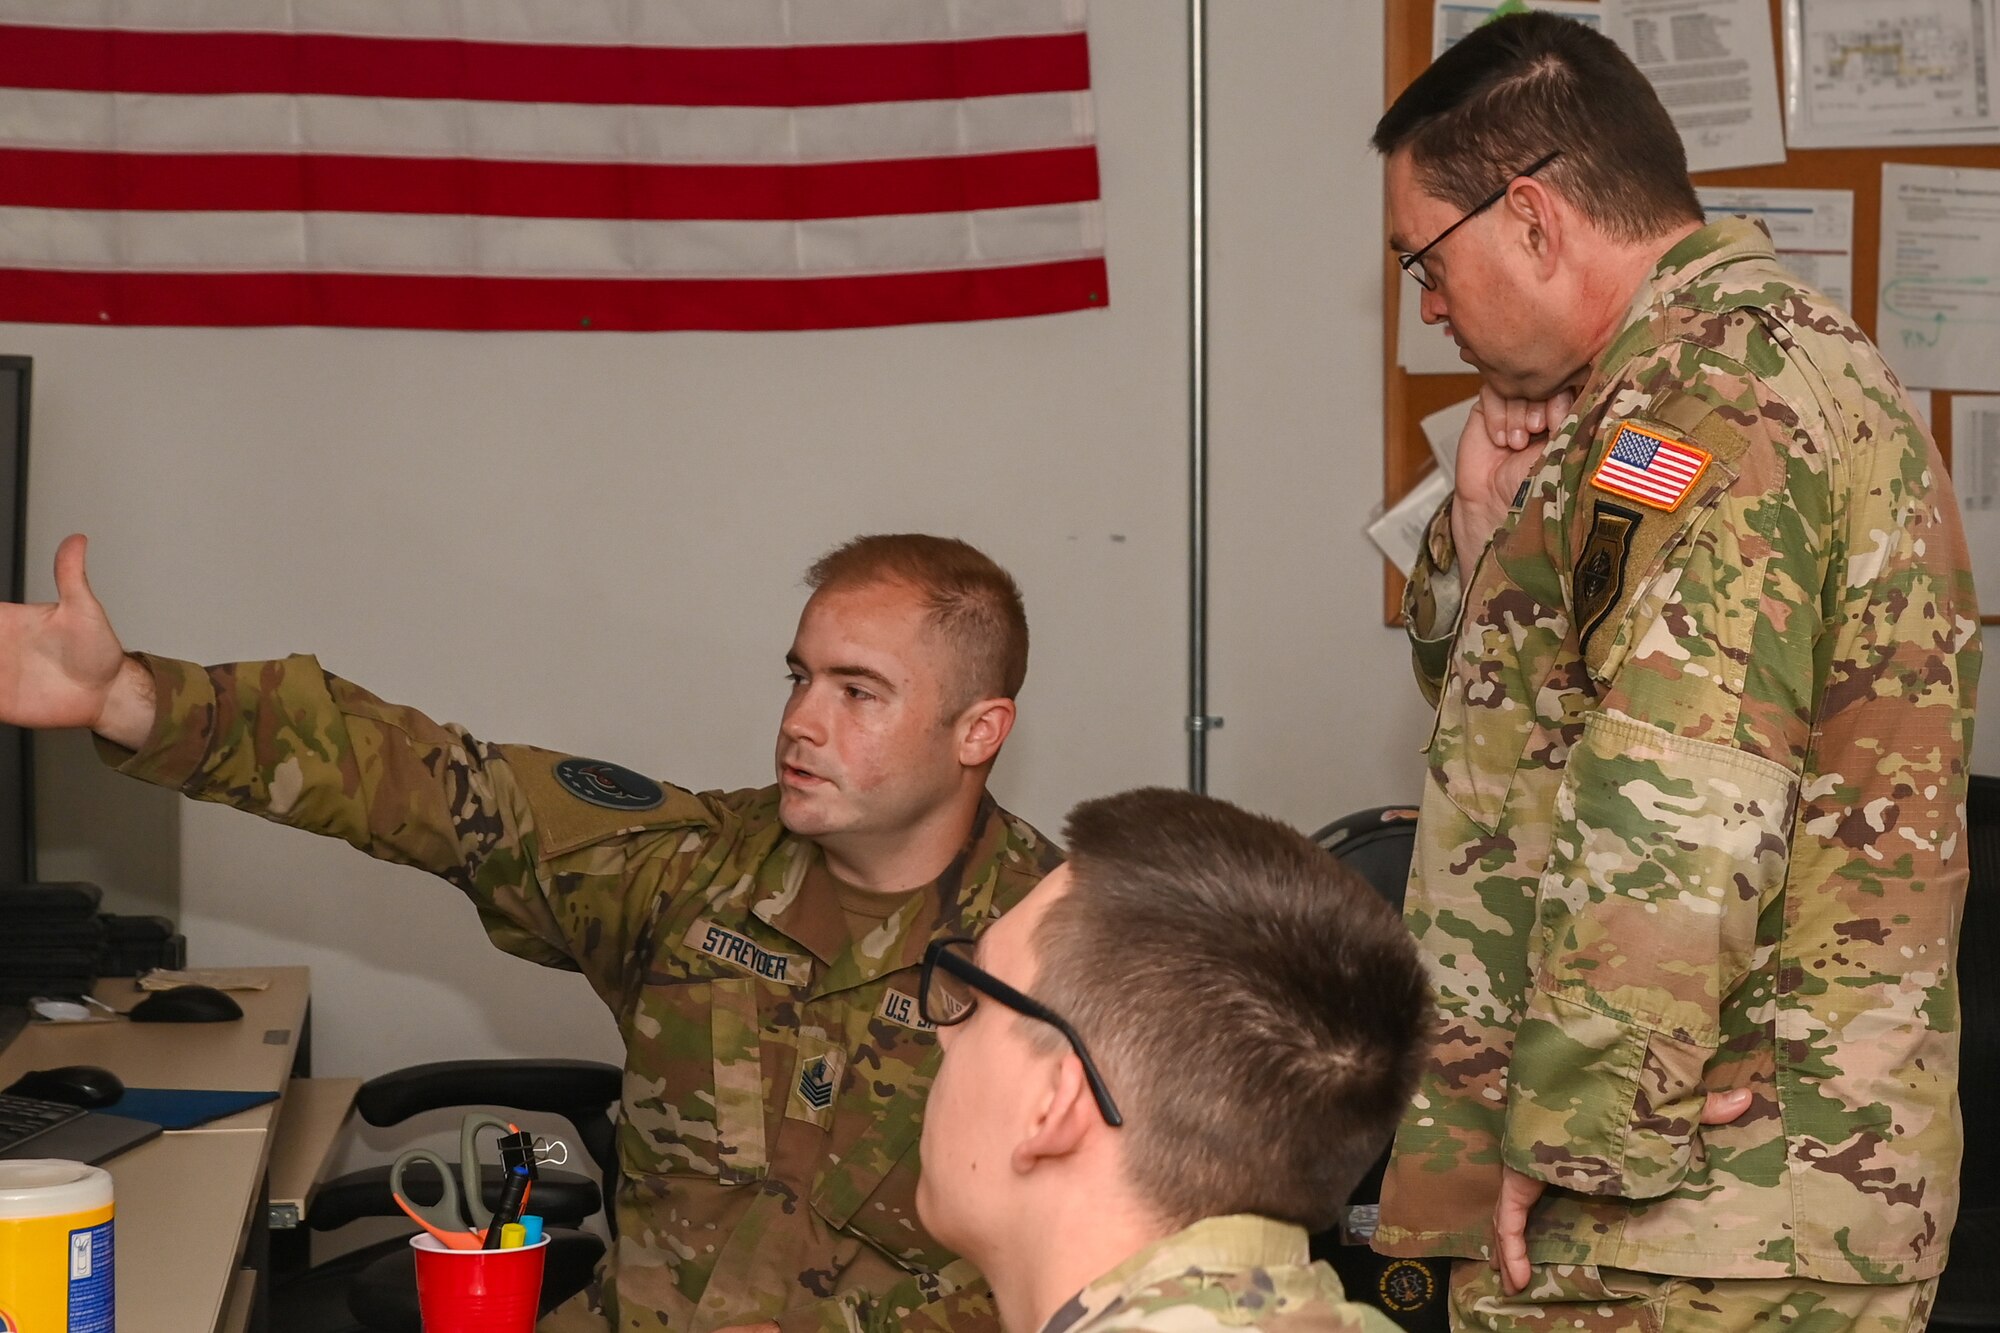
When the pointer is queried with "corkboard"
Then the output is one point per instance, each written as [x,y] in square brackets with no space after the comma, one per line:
[1407,399]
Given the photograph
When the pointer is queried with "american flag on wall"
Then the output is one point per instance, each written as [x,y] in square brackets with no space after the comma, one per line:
[546,164]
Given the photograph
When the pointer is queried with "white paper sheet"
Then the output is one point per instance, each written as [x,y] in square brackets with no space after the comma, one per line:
[1975,451]
[1939,321]
[1861,73]
[1813,231]
[1452,19]
[1442,428]
[1975,475]
[1716,71]
[1399,533]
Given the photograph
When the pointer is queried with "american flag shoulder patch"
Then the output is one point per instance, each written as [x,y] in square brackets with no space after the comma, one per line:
[1654,469]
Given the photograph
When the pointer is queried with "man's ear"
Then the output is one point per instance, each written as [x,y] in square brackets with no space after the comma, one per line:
[982,729]
[1542,217]
[1066,1116]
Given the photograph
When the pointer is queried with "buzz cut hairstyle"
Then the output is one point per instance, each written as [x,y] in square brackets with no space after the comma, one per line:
[1534,83]
[974,605]
[1259,1012]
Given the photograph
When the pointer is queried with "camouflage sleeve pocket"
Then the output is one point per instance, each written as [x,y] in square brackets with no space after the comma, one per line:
[1433,603]
[1664,851]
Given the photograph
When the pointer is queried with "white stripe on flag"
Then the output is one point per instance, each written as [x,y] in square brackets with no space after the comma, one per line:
[576,22]
[1658,482]
[532,131]
[169,242]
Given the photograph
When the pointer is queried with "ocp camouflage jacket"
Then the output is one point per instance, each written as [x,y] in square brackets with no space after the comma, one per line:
[775,1068]
[1695,811]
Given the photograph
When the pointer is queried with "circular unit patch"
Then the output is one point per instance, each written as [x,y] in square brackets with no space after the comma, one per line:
[1405,1286]
[608,785]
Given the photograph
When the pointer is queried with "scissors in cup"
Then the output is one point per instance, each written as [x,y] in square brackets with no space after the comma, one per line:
[460,1217]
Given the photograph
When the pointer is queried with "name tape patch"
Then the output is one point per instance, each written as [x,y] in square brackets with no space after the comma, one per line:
[1654,469]
[739,950]
[899,1008]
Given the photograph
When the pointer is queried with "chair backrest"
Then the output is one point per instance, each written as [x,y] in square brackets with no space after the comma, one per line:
[585,1093]
[1377,844]
[1979,998]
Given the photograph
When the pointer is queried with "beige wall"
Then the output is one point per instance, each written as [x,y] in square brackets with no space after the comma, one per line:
[594,542]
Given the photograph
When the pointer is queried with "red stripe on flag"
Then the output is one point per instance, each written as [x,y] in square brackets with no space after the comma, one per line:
[629,305]
[129,61]
[1643,483]
[231,182]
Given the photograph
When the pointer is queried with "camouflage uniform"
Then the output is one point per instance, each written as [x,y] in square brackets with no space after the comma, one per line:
[775,1067]
[1583,1298]
[1242,1272]
[1695,815]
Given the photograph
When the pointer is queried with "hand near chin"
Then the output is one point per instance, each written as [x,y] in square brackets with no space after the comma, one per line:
[1497,450]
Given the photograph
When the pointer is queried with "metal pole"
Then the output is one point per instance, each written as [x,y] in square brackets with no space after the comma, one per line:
[1199,723]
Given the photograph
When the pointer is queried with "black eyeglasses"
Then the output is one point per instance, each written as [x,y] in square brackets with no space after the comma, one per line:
[949,990]
[1414,264]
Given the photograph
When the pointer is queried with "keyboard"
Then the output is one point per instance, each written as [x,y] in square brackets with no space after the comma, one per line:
[25,1118]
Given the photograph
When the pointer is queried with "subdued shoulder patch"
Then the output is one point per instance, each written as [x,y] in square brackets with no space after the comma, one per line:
[1602,568]
[609,785]
[1649,466]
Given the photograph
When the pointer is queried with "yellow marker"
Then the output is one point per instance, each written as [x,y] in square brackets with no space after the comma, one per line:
[513,1236]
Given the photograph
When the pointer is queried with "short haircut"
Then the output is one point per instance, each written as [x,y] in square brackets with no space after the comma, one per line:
[1530,84]
[975,605]
[1259,1013]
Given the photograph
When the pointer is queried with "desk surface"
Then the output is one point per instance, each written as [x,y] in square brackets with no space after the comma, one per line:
[183,1200]
[253,1054]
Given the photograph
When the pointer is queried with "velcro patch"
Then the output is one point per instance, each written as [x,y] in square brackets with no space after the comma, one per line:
[820,1066]
[901,1009]
[1654,469]
[740,951]
[1601,570]
[608,785]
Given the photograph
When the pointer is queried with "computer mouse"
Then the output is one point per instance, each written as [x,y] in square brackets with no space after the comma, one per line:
[88,1086]
[185,1004]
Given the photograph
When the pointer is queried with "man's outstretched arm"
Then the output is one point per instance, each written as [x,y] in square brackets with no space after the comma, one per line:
[61,664]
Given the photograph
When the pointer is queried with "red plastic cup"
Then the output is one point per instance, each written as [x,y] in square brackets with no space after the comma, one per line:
[478,1291]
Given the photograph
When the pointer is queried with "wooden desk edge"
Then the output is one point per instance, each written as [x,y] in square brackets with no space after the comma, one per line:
[310,1119]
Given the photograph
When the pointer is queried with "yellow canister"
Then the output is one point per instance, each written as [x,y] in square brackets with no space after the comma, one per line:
[55,1248]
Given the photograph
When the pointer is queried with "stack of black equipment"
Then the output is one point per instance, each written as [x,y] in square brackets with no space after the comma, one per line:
[137,944]
[54,941]
[50,940]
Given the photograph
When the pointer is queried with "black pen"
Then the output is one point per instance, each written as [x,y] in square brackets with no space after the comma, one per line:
[512,1194]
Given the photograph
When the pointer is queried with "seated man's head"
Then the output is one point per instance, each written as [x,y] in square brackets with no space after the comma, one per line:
[1257,1015]
[904,671]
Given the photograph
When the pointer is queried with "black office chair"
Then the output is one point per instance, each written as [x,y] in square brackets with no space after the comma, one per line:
[373,1289]
[1969,1294]
[1377,844]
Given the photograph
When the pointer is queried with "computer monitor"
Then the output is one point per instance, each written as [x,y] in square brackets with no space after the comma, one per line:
[17,767]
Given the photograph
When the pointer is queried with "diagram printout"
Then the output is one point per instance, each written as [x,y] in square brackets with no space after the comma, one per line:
[1939,318]
[1865,73]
